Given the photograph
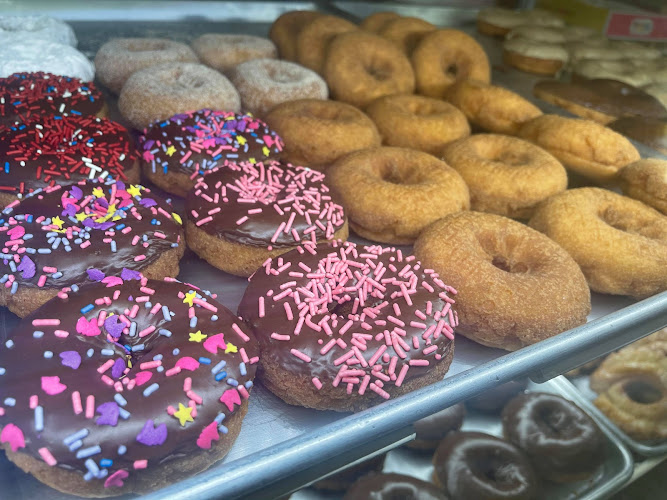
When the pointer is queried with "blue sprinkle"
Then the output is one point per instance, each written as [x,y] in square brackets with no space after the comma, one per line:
[204,361]
[87,309]
[2,371]
[222,429]
[176,351]
[90,352]
[243,369]
[107,352]
[150,390]
[31,250]
[165,313]
[219,366]
[57,275]
[15,286]
[193,322]
[124,414]
[9,344]
[106,462]
[43,250]
[164,332]
[48,354]
[5,277]
[220,376]
[10,401]
[160,369]
[248,384]
[75,288]
[37,334]
[133,329]
[148,305]
[122,449]
[88,476]
[90,464]
[157,357]
[233,382]
[219,418]
[138,347]
[113,245]
[76,436]
[120,399]
[39,418]
[88,452]
[214,317]
[75,445]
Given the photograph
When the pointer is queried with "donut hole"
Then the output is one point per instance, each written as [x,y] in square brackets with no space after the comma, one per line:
[626,222]
[494,467]
[421,109]
[146,46]
[399,492]
[513,158]
[642,392]
[281,75]
[331,113]
[500,258]
[187,80]
[402,174]
[379,69]
[554,420]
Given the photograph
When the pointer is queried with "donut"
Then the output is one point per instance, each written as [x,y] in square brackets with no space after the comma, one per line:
[601,100]
[240,215]
[620,243]
[646,181]
[119,58]
[177,150]
[541,34]
[432,429]
[516,287]
[285,29]
[158,92]
[25,96]
[634,50]
[361,67]
[124,398]
[312,42]
[406,32]
[52,150]
[620,70]
[499,21]
[32,55]
[341,481]
[505,175]
[444,57]
[225,51]
[389,192]
[265,83]
[491,107]
[562,442]
[649,131]
[316,132]
[36,27]
[339,350]
[657,90]
[583,146]
[417,122]
[391,486]
[534,57]
[493,401]
[375,21]
[51,238]
[477,465]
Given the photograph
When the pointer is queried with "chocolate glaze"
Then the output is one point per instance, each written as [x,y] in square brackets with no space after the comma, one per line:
[340,481]
[481,466]
[77,361]
[432,429]
[649,131]
[392,487]
[560,439]
[24,96]
[51,150]
[494,400]
[292,190]
[30,228]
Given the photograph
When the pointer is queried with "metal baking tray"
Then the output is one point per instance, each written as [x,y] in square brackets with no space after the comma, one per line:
[282,447]
[614,473]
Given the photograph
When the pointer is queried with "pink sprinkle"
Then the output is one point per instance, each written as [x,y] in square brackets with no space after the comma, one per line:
[47,457]
[195,397]
[34,401]
[146,331]
[107,380]
[419,362]
[364,384]
[278,336]
[187,384]
[105,366]
[140,464]
[138,258]
[173,371]
[305,357]
[240,333]
[45,322]
[261,307]
[401,375]
[244,355]
[149,365]
[375,388]
[76,403]
[90,406]
[244,393]
[317,383]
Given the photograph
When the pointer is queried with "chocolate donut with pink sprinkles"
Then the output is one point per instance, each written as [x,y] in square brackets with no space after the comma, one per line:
[343,326]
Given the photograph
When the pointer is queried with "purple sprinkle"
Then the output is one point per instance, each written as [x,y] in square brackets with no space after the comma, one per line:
[71,359]
[108,414]
[76,192]
[70,210]
[27,266]
[114,326]
[120,185]
[95,274]
[129,274]
[147,202]
[118,368]
[151,435]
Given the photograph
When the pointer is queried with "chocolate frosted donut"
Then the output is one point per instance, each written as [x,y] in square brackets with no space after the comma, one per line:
[343,327]
[480,466]
[25,96]
[55,150]
[124,386]
[493,401]
[563,443]
[239,215]
[432,429]
[52,238]
[391,487]
[177,150]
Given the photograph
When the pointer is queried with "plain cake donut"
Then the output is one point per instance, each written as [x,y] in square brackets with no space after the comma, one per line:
[646,181]
[312,43]
[286,28]
[225,51]
[375,21]
[405,32]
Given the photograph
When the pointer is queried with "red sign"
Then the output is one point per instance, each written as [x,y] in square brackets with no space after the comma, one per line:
[637,26]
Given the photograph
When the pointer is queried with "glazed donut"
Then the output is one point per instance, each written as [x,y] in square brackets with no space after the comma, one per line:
[657,90]
[177,150]
[53,150]
[158,92]
[516,287]
[264,83]
[240,215]
[620,243]
[341,481]
[36,27]
[490,107]
[389,193]
[499,21]
[477,465]
[649,131]
[540,34]
[583,146]
[635,51]
[444,57]
[432,429]
[316,132]
[562,442]
[391,486]
[505,175]
[493,401]
[620,70]
[377,20]
[52,237]
[417,122]
[224,51]
[361,67]
[119,58]
[534,57]
[286,28]
[406,32]
[24,96]
[33,55]
[326,345]
[646,181]
[312,42]
[123,386]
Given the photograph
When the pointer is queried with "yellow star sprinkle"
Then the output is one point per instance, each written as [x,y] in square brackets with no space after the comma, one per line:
[170,150]
[197,336]
[241,140]
[98,193]
[57,221]
[266,151]
[252,161]
[230,348]
[82,216]
[189,297]
[134,190]
[177,218]
[184,414]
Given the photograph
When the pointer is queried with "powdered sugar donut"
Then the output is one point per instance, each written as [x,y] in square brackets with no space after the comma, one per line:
[36,27]
[30,55]
[264,83]
[225,51]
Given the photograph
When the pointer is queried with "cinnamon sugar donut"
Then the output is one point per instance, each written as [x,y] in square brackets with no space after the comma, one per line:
[158,92]
[417,122]
[619,243]
[375,21]
[406,32]
[584,146]
[316,132]
[646,181]
[444,57]
[515,286]
[117,59]
[286,28]
[506,176]
[312,43]
[490,107]
[264,83]
[390,193]
[225,51]
[361,67]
